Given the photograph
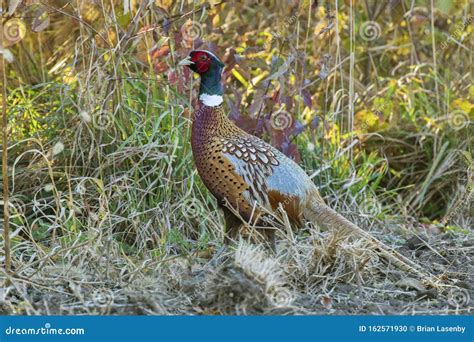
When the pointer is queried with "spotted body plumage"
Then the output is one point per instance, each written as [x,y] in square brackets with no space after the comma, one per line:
[248,177]
[245,172]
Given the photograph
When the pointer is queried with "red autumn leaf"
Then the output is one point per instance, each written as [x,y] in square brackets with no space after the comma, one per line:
[157,58]
[160,67]
[160,52]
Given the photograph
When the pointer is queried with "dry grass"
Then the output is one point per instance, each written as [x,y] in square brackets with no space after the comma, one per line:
[323,273]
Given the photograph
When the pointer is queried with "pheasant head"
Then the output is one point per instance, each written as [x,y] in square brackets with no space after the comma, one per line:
[209,67]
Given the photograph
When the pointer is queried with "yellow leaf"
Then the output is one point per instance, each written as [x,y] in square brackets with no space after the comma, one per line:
[216,21]
[256,80]
[241,78]
[366,119]
[395,173]
[464,105]
[471,91]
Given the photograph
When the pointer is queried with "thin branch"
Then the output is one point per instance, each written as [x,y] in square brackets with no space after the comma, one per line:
[6,212]
[433,47]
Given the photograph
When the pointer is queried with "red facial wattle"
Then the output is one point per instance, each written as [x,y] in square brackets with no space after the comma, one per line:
[202,67]
[201,61]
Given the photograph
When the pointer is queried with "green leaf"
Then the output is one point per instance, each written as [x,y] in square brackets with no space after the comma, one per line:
[124,19]
[444,5]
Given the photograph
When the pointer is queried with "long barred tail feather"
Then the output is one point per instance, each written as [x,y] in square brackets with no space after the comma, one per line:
[326,217]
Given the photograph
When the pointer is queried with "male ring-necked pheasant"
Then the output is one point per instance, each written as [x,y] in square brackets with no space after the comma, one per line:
[244,172]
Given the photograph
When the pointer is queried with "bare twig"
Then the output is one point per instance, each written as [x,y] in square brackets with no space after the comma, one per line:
[6,217]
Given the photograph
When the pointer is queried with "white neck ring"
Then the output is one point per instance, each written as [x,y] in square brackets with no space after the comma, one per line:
[211,100]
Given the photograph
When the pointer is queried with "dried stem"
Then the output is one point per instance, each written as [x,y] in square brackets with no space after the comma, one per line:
[6,216]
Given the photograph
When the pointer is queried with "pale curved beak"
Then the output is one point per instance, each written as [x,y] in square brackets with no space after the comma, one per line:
[186,61]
